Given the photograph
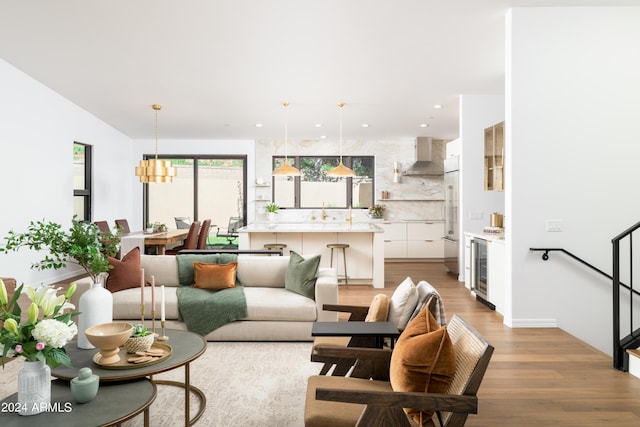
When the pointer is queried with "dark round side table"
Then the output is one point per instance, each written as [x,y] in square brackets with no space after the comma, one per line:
[115,403]
[185,347]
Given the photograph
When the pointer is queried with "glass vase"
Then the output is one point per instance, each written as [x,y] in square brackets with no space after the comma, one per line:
[34,388]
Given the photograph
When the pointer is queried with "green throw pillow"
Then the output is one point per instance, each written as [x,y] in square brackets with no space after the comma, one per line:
[302,274]
[185,264]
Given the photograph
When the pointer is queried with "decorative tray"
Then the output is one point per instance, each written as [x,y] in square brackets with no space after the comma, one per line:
[124,363]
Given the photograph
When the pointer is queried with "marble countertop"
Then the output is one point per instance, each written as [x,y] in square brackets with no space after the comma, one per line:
[311,227]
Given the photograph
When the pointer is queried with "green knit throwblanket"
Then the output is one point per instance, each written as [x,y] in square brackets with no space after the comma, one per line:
[203,310]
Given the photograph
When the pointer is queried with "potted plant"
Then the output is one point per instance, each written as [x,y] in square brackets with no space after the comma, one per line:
[83,244]
[149,228]
[141,339]
[272,210]
[376,211]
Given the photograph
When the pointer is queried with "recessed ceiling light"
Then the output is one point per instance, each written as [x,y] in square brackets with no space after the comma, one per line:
[318,125]
[424,125]
[258,125]
[365,125]
[323,136]
[437,106]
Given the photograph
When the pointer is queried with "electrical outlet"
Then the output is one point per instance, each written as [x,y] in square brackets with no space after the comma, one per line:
[554,225]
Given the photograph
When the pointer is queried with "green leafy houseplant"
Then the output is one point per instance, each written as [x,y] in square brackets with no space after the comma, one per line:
[83,244]
[272,207]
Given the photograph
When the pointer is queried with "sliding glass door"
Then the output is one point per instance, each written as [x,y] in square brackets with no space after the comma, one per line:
[206,187]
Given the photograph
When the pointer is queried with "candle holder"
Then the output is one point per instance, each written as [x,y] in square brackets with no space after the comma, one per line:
[163,337]
[153,322]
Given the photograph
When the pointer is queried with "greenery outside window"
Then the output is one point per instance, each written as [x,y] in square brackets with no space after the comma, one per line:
[314,187]
[82,164]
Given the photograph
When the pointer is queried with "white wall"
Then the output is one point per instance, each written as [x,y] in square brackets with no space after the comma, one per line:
[572,154]
[37,131]
[477,112]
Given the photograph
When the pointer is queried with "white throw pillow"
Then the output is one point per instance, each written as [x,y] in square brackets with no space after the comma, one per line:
[403,302]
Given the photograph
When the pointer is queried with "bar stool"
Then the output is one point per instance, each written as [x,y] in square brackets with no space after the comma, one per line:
[275,246]
[343,247]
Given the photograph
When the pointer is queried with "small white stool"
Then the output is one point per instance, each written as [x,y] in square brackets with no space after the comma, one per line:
[343,247]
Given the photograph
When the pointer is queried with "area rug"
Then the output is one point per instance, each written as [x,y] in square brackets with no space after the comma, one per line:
[246,384]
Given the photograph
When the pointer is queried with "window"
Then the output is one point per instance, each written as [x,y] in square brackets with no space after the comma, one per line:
[82,163]
[314,187]
[205,187]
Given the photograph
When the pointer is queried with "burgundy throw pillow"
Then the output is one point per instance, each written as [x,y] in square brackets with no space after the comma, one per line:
[126,273]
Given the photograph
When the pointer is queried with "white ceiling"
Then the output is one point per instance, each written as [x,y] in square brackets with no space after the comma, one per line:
[219,67]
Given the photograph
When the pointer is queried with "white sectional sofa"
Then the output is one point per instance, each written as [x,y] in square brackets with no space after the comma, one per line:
[273,312]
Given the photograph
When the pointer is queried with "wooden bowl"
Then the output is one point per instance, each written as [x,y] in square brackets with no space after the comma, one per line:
[108,337]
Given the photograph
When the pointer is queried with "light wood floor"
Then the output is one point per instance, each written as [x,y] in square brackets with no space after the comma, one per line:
[537,377]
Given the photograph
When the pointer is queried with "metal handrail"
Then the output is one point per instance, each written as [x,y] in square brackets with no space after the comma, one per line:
[620,358]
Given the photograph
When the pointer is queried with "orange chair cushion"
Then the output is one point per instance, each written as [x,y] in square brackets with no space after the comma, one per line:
[423,360]
[126,272]
[214,276]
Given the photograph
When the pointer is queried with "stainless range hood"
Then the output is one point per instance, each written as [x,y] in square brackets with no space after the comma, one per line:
[424,165]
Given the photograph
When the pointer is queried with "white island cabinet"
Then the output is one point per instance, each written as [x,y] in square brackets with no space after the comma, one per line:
[365,255]
[413,239]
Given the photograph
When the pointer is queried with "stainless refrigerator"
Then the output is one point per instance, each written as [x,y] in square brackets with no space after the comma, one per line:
[451,222]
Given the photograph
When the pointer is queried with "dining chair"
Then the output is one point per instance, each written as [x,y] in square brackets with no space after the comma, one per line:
[204,233]
[102,226]
[123,225]
[190,242]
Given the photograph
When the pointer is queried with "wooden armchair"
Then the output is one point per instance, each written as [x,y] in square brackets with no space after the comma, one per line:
[343,363]
[348,401]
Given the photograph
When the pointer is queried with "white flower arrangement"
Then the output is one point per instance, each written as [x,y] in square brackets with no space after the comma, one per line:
[47,328]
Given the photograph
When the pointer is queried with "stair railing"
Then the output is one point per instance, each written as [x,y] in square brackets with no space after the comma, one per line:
[620,356]
[632,340]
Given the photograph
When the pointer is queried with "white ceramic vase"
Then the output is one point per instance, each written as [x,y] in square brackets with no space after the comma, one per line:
[34,388]
[95,307]
[272,216]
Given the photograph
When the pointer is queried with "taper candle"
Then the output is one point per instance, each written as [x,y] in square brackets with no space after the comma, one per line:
[162,303]
[142,288]
[153,294]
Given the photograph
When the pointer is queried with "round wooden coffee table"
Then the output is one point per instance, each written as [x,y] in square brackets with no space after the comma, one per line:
[185,347]
[114,404]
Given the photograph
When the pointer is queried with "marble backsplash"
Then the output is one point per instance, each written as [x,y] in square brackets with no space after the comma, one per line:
[414,197]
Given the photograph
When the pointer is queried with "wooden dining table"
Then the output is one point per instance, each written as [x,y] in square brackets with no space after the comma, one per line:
[160,241]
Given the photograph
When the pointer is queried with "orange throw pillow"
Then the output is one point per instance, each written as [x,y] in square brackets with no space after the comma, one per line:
[423,360]
[214,276]
[126,273]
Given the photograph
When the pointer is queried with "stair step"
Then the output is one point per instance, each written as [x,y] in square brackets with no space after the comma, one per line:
[634,362]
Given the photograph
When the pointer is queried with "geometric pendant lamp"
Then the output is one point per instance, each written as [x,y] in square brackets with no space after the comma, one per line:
[155,170]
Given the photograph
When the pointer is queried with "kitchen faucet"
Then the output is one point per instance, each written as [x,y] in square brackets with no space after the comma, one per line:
[324,214]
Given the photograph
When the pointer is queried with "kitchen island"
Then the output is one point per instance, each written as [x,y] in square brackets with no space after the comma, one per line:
[365,255]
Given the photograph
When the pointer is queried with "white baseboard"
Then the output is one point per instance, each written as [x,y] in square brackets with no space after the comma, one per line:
[533,323]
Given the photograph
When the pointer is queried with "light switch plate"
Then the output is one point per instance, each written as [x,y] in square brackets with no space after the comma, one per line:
[554,225]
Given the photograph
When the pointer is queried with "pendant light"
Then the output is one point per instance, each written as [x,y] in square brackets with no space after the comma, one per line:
[155,170]
[341,170]
[286,169]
